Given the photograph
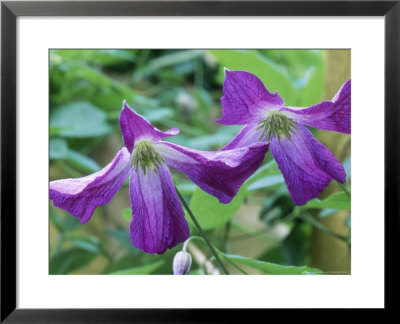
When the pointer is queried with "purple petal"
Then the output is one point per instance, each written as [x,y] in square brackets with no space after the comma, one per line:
[245,99]
[134,127]
[81,196]
[334,115]
[219,173]
[247,135]
[307,166]
[158,221]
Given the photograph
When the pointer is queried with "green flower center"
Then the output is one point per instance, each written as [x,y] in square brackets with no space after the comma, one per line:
[277,125]
[145,156]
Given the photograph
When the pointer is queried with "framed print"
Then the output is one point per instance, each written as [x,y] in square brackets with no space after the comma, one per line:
[180,155]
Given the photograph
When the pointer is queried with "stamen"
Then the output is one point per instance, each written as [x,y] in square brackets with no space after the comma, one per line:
[146,156]
[277,125]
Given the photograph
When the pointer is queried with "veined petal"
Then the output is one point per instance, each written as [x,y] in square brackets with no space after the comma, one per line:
[307,166]
[158,221]
[248,135]
[334,115]
[219,173]
[245,99]
[81,196]
[134,127]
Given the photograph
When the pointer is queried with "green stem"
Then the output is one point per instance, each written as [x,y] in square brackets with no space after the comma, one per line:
[343,187]
[196,223]
[314,222]
[236,266]
[188,240]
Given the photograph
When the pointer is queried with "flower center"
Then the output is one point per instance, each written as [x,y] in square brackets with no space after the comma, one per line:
[146,156]
[277,125]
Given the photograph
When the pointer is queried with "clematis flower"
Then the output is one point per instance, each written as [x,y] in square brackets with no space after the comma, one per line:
[158,221]
[307,165]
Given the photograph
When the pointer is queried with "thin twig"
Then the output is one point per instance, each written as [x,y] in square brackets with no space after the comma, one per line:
[196,223]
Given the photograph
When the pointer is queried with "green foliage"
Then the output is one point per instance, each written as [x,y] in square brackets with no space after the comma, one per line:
[338,200]
[80,119]
[71,259]
[209,212]
[145,269]
[271,268]
[178,88]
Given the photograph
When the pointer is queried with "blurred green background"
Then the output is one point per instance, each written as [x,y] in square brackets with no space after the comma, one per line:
[261,231]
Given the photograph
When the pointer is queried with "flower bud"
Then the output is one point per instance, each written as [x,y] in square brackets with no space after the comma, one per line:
[182,263]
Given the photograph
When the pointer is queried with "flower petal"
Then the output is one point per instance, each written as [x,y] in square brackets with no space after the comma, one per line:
[334,115]
[158,221]
[245,99]
[219,173]
[307,166]
[134,127]
[81,196]
[247,135]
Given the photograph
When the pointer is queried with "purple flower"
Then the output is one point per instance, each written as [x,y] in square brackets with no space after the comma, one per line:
[158,221]
[307,165]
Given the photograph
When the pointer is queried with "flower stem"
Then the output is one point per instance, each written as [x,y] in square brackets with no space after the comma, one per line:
[343,187]
[314,222]
[196,223]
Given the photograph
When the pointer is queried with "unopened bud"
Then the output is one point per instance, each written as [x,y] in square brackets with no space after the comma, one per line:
[182,263]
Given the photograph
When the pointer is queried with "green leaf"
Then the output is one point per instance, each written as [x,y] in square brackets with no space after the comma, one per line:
[268,168]
[207,141]
[80,119]
[142,270]
[58,148]
[96,56]
[123,237]
[297,245]
[82,162]
[271,268]
[90,243]
[338,200]
[313,92]
[186,188]
[127,214]
[163,61]
[266,182]
[210,213]
[69,260]
[273,77]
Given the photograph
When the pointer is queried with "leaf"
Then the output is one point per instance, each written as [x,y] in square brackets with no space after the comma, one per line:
[313,92]
[297,245]
[80,119]
[123,237]
[97,56]
[210,213]
[207,141]
[271,268]
[273,77]
[186,188]
[127,214]
[58,148]
[142,270]
[64,224]
[69,260]
[82,162]
[338,200]
[173,58]
[266,182]
[268,168]
[90,243]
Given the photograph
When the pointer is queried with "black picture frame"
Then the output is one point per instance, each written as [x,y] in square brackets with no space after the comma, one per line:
[10,10]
